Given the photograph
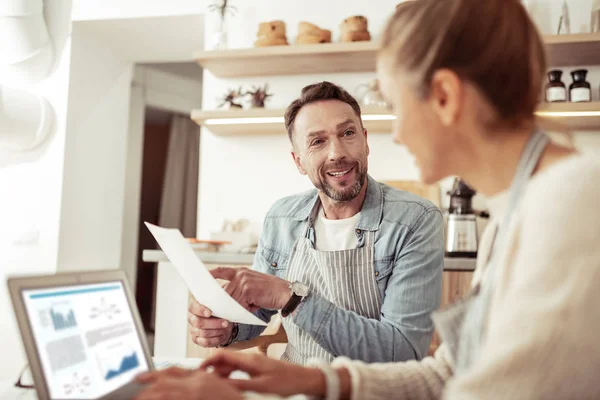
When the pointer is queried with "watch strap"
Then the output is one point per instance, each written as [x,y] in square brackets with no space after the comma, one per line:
[291,305]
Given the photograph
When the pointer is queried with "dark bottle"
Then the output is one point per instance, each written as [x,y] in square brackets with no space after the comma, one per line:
[556,90]
[580,90]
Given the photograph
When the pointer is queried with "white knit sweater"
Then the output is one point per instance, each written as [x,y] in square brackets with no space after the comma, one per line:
[544,322]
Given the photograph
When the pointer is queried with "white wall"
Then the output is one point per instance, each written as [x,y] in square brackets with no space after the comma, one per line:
[109,9]
[30,199]
[95,156]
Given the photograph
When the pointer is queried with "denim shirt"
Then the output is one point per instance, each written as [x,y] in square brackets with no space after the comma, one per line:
[408,263]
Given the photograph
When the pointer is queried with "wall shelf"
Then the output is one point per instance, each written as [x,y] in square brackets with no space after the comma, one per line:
[576,116]
[563,50]
[574,49]
[290,60]
[260,121]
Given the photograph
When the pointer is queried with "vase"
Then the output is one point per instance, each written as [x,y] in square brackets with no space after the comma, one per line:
[220,35]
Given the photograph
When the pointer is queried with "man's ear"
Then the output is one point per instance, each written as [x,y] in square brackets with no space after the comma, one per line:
[366,137]
[296,158]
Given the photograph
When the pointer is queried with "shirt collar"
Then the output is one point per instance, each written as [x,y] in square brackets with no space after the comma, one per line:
[371,211]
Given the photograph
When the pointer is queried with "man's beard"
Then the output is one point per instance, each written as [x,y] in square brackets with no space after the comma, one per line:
[350,191]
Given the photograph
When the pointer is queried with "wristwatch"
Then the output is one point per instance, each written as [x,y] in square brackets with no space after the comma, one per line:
[299,292]
[234,333]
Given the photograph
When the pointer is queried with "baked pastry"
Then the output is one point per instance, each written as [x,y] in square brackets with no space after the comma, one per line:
[272,28]
[271,34]
[311,34]
[265,41]
[356,23]
[354,29]
[352,36]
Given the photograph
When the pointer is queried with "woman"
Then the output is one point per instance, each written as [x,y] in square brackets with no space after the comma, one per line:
[464,78]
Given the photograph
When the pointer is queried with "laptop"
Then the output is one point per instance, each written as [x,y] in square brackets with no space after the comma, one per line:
[82,334]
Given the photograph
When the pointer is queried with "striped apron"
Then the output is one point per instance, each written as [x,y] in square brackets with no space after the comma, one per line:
[345,277]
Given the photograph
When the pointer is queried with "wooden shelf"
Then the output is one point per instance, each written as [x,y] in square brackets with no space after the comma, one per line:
[260,121]
[575,49]
[290,60]
[563,50]
[576,116]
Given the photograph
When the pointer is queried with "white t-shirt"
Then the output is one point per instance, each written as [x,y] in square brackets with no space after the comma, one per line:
[335,234]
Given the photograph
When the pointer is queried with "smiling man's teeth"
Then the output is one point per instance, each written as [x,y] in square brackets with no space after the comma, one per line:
[338,174]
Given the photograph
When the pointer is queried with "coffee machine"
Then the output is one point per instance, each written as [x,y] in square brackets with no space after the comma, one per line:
[461,227]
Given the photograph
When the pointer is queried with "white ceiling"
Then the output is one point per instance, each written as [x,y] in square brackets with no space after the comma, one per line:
[152,39]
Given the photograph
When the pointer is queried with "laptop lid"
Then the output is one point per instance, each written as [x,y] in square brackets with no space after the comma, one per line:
[82,333]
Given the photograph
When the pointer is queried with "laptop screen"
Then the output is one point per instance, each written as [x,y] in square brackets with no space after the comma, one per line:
[86,338]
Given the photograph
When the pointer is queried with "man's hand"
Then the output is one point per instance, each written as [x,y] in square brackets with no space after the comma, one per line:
[254,290]
[207,331]
[177,383]
[267,375]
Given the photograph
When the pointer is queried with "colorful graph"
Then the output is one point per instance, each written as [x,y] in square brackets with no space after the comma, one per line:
[62,321]
[127,364]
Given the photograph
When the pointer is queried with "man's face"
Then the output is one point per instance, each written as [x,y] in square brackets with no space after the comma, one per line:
[330,146]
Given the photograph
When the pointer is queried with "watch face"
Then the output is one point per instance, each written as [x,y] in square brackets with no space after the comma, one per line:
[300,289]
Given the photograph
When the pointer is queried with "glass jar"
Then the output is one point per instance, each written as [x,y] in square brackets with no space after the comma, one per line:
[580,90]
[556,90]
[369,94]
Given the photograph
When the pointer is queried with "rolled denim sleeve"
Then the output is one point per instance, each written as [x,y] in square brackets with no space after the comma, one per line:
[413,292]
[247,332]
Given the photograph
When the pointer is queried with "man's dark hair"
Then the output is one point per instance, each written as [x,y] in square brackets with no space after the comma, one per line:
[317,92]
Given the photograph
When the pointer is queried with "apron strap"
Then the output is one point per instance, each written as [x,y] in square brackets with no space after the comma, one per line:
[474,318]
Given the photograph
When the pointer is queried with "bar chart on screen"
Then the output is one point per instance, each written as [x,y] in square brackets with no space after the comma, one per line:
[63,320]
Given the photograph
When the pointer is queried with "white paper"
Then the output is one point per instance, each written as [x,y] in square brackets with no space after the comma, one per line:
[198,279]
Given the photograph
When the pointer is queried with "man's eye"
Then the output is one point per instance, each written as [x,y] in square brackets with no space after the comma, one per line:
[316,142]
[348,133]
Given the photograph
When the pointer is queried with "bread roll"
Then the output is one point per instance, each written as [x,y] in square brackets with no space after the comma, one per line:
[353,36]
[306,28]
[265,41]
[357,23]
[272,28]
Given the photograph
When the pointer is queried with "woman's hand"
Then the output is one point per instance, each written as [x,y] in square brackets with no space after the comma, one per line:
[267,375]
[185,384]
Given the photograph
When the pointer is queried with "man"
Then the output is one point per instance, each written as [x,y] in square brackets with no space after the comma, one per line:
[355,266]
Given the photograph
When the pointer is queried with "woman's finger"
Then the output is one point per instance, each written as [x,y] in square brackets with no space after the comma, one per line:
[223,370]
[169,372]
[164,388]
[250,363]
[258,385]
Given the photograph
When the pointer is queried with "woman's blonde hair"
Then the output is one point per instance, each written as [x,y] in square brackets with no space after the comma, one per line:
[493,44]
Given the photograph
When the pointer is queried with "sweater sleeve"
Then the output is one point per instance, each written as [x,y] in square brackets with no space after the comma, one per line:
[411,380]
[541,341]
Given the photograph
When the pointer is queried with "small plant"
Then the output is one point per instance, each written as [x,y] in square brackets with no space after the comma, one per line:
[259,95]
[223,7]
[231,98]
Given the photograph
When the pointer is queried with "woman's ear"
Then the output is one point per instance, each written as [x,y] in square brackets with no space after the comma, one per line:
[446,96]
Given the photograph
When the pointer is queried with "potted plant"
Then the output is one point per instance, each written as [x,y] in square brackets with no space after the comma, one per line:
[259,95]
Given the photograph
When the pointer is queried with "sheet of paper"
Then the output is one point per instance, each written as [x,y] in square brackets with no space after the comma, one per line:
[198,279]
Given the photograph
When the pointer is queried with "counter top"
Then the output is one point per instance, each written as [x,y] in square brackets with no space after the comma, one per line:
[450,264]
[204,256]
